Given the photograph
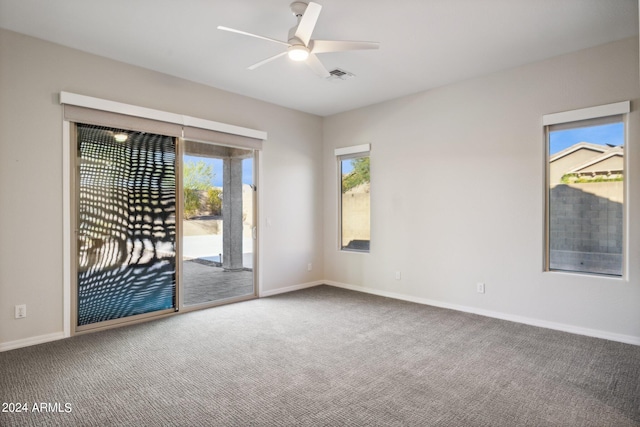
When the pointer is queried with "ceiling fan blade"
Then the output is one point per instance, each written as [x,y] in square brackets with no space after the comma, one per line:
[254,66]
[220,27]
[314,63]
[326,46]
[308,22]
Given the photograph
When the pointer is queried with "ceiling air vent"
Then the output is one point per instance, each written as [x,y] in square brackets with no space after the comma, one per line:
[338,74]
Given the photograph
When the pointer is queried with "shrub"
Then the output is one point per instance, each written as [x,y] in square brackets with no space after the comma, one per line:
[573,178]
[191,202]
[214,201]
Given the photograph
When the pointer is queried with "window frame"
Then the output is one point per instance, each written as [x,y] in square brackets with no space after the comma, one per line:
[342,154]
[572,118]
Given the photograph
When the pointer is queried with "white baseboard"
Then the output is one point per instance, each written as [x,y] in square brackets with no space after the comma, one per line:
[291,288]
[627,339]
[41,339]
[26,342]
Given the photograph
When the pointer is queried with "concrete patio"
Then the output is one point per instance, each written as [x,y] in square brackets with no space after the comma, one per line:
[204,280]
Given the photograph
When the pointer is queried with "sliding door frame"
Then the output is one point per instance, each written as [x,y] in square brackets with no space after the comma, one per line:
[227,132]
[255,235]
[179,219]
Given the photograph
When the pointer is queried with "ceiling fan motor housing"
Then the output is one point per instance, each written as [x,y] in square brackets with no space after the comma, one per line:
[292,39]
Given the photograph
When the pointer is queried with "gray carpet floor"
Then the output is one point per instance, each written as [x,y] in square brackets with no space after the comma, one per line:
[325,357]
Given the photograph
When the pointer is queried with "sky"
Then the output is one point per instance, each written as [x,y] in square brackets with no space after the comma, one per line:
[347,166]
[216,164]
[603,134]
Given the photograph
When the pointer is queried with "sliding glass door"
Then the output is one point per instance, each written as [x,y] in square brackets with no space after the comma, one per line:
[149,242]
[217,227]
[125,225]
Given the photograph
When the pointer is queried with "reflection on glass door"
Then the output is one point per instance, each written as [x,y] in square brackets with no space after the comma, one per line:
[126,198]
[217,227]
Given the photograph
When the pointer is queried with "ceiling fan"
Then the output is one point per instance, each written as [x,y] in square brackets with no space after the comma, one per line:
[300,46]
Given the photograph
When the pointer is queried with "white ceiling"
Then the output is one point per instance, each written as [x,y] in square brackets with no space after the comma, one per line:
[423,43]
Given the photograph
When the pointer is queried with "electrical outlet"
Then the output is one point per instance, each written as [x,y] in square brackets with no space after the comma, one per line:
[480,288]
[21,311]
[309,267]
[398,275]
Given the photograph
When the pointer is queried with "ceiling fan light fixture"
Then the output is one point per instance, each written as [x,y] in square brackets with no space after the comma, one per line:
[298,52]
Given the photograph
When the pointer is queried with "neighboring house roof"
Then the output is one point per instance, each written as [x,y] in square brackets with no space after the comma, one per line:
[615,152]
[586,158]
[576,147]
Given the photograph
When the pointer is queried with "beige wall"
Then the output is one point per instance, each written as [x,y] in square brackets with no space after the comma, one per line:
[474,152]
[32,73]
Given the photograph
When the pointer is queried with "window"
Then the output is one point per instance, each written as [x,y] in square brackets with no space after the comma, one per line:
[585,190]
[355,200]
